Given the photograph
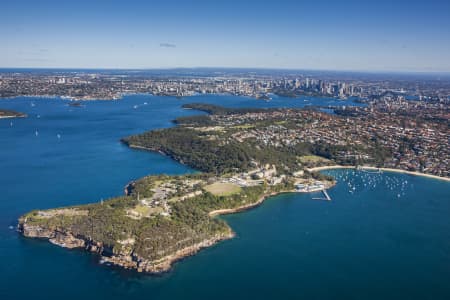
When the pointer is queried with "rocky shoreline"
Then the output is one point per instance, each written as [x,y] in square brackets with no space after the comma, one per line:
[176,158]
[130,260]
[165,263]
[127,260]
[127,257]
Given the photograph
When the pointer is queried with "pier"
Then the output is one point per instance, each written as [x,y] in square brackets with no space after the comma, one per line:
[327,197]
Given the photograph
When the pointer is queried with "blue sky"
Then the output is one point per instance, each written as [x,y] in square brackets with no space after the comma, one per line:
[334,35]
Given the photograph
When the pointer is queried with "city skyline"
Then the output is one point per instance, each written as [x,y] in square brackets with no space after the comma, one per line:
[408,36]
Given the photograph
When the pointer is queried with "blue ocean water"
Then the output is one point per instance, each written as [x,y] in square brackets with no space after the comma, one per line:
[383,236]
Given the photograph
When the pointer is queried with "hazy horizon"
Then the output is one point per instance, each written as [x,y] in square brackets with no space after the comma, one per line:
[349,35]
[213,68]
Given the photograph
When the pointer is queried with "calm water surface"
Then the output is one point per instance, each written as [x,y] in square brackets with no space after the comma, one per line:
[382,237]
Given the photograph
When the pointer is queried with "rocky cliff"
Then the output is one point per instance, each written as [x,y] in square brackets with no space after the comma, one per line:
[126,258]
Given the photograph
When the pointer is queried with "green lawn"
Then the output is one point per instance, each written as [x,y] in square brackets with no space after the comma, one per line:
[223,189]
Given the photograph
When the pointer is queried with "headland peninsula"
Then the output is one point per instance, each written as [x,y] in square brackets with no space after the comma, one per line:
[11,114]
[244,156]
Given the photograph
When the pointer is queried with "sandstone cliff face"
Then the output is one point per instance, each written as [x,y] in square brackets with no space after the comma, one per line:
[164,264]
[126,258]
[35,231]
[67,240]
[63,239]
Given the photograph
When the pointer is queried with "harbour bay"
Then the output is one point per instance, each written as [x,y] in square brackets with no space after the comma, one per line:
[292,244]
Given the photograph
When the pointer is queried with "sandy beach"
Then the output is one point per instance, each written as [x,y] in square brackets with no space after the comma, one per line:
[244,207]
[382,169]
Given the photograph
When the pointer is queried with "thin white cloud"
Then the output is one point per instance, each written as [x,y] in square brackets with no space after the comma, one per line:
[167,45]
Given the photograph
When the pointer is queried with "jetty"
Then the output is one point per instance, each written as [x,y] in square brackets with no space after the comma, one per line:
[327,197]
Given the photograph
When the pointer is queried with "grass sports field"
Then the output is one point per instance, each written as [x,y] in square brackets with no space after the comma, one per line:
[223,188]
